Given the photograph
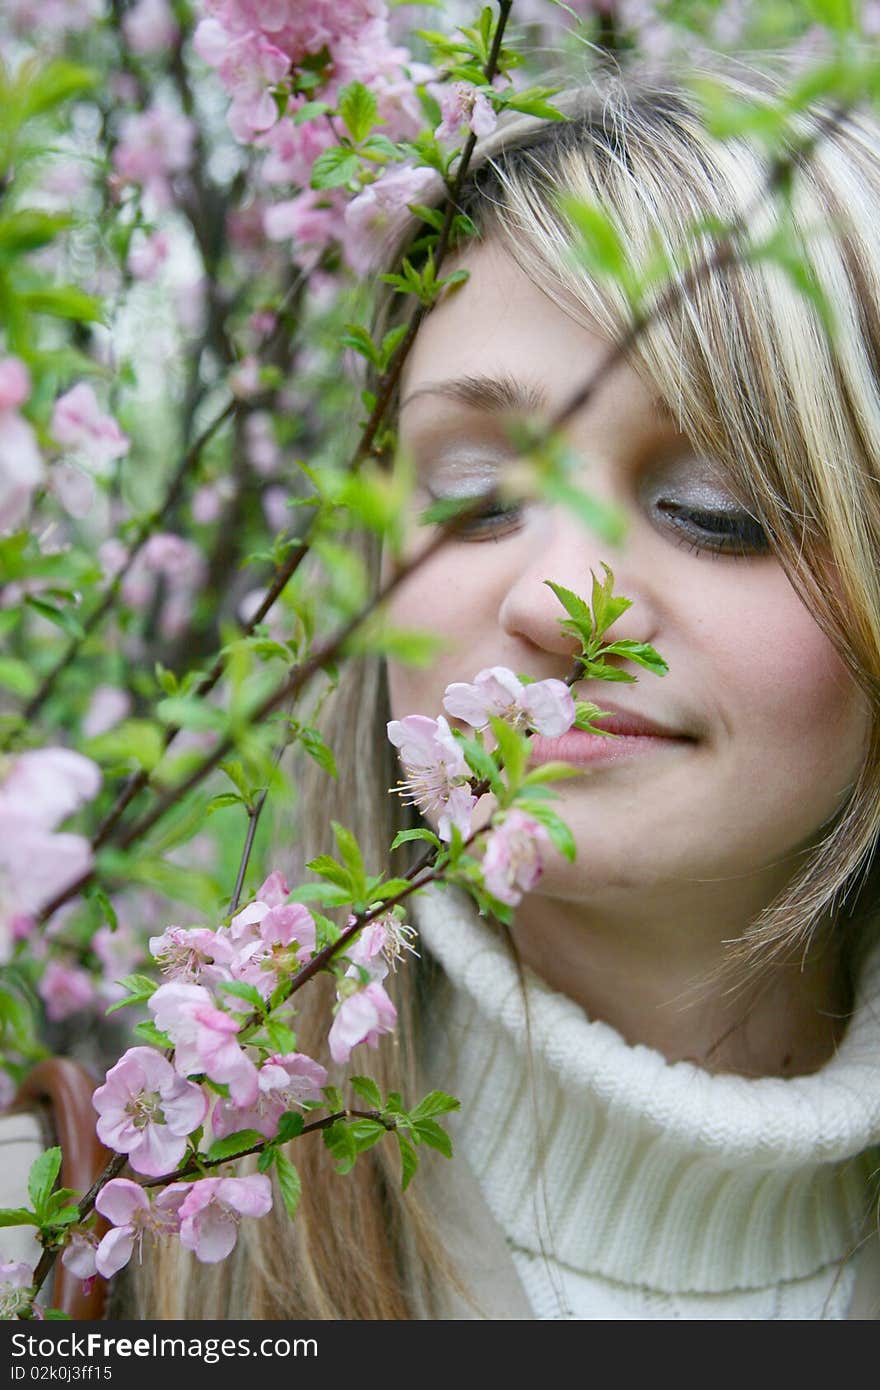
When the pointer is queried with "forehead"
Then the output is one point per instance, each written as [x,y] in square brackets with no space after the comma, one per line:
[500,343]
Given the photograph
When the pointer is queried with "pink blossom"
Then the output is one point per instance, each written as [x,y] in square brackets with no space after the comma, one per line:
[46,785]
[512,861]
[21,467]
[546,707]
[65,990]
[153,145]
[112,556]
[376,215]
[183,952]
[79,1255]
[244,379]
[79,423]
[286,1080]
[312,218]
[149,26]
[204,1039]
[260,444]
[147,1111]
[462,105]
[16,1282]
[438,775]
[293,149]
[249,66]
[274,890]
[212,1209]
[15,383]
[127,1206]
[207,504]
[55,17]
[107,706]
[361,1017]
[35,866]
[380,945]
[148,254]
[74,488]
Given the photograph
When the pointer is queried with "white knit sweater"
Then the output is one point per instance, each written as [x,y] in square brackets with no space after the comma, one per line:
[665,1191]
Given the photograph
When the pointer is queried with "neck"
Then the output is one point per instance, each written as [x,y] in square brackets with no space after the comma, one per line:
[660,976]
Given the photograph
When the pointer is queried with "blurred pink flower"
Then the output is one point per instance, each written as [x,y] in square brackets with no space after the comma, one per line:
[79,1255]
[15,1278]
[65,989]
[148,254]
[153,145]
[21,468]
[149,26]
[147,1111]
[107,707]
[79,423]
[212,1209]
[46,785]
[376,215]
[512,861]
[15,383]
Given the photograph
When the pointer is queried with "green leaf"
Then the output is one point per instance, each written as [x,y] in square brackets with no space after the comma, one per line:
[64,1217]
[434,1103]
[556,828]
[351,857]
[359,340]
[577,607]
[432,1134]
[514,749]
[242,990]
[235,1144]
[607,520]
[550,772]
[367,1133]
[310,111]
[606,607]
[61,617]
[17,1216]
[288,1182]
[642,653]
[341,1142]
[136,742]
[359,110]
[404,836]
[187,712]
[290,1126]
[317,749]
[481,763]
[282,1038]
[28,229]
[328,869]
[63,302]
[839,15]
[149,1033]
[54,84]
[17,676]
[335,167]
[367,1089]
[409,1161]
[42,1176]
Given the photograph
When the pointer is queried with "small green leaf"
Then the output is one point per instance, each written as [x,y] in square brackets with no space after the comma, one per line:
[17,676]
[42,1176]
[404,836]
[367,1089]
[409,1160]
[335,167]
[366,1133]
[235,1144]
[290,1126]
[359,110]
[288,1181]
[432,1134]
[340,1141]
[149,1033]
[282,1038]
[242,990]
[351,856]
[434,1103]
[61,617]
[17,1216]
[317,749]
[641,653]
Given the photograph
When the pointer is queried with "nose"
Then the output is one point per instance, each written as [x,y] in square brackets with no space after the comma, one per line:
[565,551]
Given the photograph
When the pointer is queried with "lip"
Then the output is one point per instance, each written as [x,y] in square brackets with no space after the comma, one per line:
[638,736]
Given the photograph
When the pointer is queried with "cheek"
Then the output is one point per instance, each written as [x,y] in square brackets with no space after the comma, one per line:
[801,722]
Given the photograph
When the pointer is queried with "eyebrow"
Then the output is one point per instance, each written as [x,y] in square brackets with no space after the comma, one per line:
[494,393]
[500,393]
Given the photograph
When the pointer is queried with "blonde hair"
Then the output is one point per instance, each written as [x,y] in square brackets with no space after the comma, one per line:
[750,375]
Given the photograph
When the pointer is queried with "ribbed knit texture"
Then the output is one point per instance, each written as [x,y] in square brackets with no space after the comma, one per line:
[665,1191]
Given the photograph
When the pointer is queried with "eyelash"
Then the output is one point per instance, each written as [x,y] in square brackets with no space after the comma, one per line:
[749,540]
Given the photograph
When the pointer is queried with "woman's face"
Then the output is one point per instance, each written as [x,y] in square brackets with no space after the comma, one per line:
[771,727]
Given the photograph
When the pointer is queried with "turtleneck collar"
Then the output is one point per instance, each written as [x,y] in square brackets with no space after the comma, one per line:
[654,1173]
